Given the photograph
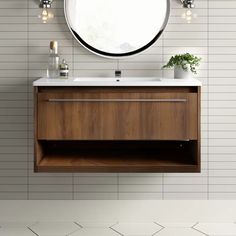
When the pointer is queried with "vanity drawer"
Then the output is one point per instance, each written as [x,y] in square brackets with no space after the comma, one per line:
[117,116]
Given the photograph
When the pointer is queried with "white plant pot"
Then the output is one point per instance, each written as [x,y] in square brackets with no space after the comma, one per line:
[179,73]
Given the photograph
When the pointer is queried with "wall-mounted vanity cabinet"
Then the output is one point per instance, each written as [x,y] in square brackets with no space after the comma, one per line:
[126,127]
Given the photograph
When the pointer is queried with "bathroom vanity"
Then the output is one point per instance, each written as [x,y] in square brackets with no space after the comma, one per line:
[117,125]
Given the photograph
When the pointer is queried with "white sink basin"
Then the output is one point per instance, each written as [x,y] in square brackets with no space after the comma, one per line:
[113,79]
[117,82]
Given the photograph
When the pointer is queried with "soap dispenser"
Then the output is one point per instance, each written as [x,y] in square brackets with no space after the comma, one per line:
[64,70]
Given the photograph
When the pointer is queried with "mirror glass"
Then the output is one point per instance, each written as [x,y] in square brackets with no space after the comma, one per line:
[117,28]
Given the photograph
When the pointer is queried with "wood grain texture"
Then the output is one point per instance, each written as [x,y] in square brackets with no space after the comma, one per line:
[198,146]
[38,149]
[119,156]
[173,115]
[117,120]
[77,163]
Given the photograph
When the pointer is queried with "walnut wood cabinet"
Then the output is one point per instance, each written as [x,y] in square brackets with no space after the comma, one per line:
[117,129]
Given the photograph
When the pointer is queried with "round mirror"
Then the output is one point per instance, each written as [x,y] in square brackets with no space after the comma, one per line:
[117,28]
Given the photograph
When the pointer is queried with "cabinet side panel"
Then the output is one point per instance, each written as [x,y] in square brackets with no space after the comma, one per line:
[199,130]
[193,116]
[38,150]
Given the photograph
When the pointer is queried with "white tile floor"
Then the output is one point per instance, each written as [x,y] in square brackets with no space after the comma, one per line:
[54,228]
[117,218]
[122,228]
[137,229]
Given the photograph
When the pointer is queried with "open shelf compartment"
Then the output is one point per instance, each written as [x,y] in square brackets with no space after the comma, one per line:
[117,156]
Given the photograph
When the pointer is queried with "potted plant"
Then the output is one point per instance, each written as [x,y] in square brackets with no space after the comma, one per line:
[184,65]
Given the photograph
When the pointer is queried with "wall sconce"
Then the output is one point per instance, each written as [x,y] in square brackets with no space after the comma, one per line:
[46,14]
[188,5]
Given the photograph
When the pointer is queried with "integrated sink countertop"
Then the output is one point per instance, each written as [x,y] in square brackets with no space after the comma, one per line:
[112,81]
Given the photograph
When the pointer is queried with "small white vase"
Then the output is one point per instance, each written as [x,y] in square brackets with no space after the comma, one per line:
[179,73]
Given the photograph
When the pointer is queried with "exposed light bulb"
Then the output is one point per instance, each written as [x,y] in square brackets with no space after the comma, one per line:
[46,15]
[44,19]
[189,19]
[188,15]
[44,12]
[188,12]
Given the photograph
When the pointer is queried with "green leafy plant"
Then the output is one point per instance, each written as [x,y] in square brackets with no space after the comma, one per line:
[183,60]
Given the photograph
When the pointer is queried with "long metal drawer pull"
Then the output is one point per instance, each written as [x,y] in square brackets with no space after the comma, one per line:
[117,100]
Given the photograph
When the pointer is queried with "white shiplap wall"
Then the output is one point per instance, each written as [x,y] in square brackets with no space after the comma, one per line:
[23,57]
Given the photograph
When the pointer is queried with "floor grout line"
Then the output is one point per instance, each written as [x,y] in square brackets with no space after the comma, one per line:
[78,224]
[193,227]
[116,231]
[33,231]
[162,228]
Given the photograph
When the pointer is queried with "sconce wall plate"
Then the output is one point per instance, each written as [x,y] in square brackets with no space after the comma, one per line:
[45,3]
[188,3]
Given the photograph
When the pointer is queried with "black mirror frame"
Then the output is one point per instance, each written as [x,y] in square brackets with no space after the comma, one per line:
[119,55]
